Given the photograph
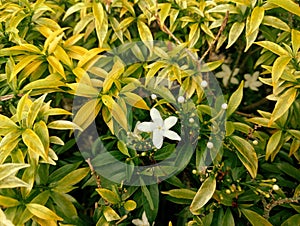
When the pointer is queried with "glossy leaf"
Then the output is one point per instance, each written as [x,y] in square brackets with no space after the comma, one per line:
[203,195]
[255,218]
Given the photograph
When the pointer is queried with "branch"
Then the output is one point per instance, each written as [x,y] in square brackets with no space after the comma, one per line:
[268,207]
[93,172]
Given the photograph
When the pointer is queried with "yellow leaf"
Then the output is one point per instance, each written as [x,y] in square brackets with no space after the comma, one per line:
[276,23]
[110,214]
[115,73]
[42,212]
[89,55]
[61,55]
[56,65]
[21,65]
[251,37]
[273,142]
[63,125]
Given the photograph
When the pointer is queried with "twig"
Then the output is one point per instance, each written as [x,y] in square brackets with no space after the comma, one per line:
[93,172]
[224,23]
[7,97]
[268,207]
[255,105]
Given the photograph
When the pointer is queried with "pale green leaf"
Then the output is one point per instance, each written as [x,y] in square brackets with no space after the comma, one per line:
[203,195]
[235,100]
[255,218]
[42,212]
[108,195]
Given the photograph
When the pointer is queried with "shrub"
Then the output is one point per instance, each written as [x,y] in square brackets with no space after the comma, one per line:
[110,116]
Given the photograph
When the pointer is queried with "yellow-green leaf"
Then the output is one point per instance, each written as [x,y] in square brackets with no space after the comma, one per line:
[180,193]
[276,23]
[256,18]
[8,169]
[273,47]
[288,5]
[108,195]
[145,34]
[42,212]
[130,205]
[278,67]
[255,218]
[246,154]
[273,142]
[34,143]
[135,100]
[62,125]
[73,178]
[110,214]
[295,40]
[6,201]
[283,104]
[22,64]
[203,195]
[34,110]
[235,100]
[56,66]
[235,32]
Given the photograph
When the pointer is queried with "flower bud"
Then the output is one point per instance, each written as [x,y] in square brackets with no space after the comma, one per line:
[224,106]
[153,96]
[210,145]
[255,142]
[181,99]
[275,187]
[204,84]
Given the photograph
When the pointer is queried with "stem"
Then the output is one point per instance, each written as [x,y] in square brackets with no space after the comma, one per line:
[93,172]
[269,206]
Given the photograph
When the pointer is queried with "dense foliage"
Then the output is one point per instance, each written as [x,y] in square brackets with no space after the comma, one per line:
[98,96]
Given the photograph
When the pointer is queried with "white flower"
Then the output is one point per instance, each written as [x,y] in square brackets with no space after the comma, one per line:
[251,81]
[159,128]
[181,99]
[227,75]
[141,222]
[224,106]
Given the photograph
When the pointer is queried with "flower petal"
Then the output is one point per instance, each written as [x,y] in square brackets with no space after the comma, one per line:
[157,138]
[145,219]
[170,122]
[171,135]
[137,222]
[156,117]
[145,127]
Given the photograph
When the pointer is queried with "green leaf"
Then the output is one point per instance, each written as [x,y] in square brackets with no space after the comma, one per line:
[110,214]
[228,219]
[235,32]
[145,34]
[147,195]
[289,170]
[255,218]
[235,100]
[123,148]
[203,195]
[273,142]
[284,102]
[288,5]
[63,204]
[292,221]
[180,193]
[42,212]
[108,195]
[246,154]
[295,40]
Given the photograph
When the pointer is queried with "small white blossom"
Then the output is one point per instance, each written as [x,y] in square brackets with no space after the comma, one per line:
[204,84]
[191,120]
[251,81]
[227,75]
[181,99]
[141,222]
[210,145]
[224,106]
[153,96]
[160,128]
[275,187]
